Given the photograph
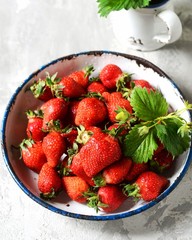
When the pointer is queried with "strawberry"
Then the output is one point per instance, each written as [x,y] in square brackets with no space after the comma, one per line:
[85,134]
[112,196]
[82,76]
[109,75]
[42,89]
[32,154]
[49,182]
[142,83]
[148,186]
[91,111]
[116,172]
[117,130]
[99,152]
[77,169]
[70,136]
[75,188]
[96,87]
[136,170]
[53,146]
[108,198]
[159,148]
[161,160]
[71,88]
[34,126]
[96,131]
[54,109]
[114,101]
[73,105]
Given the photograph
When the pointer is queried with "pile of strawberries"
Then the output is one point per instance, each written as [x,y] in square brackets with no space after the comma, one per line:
[74,140]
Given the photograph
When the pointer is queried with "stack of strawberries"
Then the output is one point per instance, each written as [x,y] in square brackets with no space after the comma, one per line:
[74,140]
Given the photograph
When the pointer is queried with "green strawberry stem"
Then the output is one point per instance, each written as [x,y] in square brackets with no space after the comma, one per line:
[72,152]
[99,180]
[93,201]
[48,196]
[124,117]
[36,113]
[161,120]
[38,88]
[116,132]
[93,95]
[88,70]
[26,143]
[51,80]
[131,190]
[122,81]
[83,135]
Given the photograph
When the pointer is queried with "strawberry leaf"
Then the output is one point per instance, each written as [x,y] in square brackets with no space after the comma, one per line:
[107,6]
[140,145]
[148,105]
[168,131]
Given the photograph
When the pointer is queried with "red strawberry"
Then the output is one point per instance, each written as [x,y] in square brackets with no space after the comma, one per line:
[161,160]
[53,146]
[85,134]
[117,130]
[142,83]
[114,101]
[77,169]
[116,172]
[109,75]
[91,111]
[70,136]
[96,87]
[49,182]
[159,149]
[82,76]
[96,132]
[54,109]
[41,91]
[34,126]
[73,105]
[136,170]
[99,152]
[109,198]
[32,154]
[148,186]
[71,88]
[75,187]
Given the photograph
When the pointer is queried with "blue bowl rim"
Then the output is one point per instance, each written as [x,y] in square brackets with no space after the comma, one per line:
[114,216]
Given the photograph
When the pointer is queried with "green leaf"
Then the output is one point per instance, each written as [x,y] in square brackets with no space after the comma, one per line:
[168,133]
[148,105]
[140,147]
[107,6]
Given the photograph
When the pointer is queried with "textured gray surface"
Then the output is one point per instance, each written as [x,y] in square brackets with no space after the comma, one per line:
[34,32]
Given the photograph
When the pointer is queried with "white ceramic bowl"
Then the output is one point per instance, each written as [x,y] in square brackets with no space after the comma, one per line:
[14,125]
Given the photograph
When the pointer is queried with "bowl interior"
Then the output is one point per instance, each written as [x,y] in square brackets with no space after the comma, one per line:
[15,122]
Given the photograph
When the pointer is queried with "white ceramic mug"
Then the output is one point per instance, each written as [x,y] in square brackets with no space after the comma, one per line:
[147,29]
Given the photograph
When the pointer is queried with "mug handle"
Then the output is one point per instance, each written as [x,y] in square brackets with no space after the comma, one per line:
[174,27]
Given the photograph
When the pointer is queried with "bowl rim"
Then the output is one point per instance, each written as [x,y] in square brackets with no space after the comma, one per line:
[113,216]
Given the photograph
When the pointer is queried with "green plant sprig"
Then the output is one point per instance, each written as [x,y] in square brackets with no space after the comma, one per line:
[107,6]
[156,124]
